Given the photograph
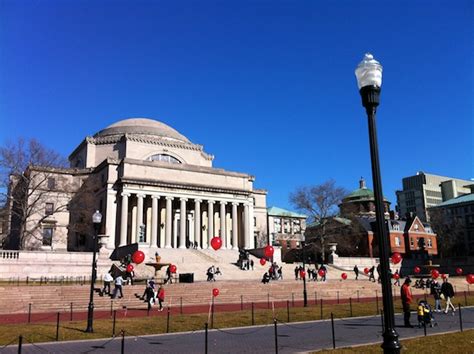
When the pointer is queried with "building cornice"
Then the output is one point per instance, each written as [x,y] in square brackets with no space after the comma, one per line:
[185,186]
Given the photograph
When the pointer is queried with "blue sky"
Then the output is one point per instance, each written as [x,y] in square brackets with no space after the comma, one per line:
[268,87]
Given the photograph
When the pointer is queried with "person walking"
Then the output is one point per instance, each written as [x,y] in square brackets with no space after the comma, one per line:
[251,263]
[297,271]
[356,272]
[448,293]
[436,292]
[118,287]
[371,274]
[397,278]
[107,280]
[161,297]
[407,298]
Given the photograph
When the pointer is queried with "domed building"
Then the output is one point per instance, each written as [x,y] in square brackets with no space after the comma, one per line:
[361,202]
[153,187]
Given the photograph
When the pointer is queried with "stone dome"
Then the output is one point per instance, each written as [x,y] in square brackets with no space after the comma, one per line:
[142,126]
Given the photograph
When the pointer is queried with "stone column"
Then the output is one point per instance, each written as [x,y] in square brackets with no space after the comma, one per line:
[111,217]
[246,226]
[124,219]
[182,224]
[235,239]
[251,227]
[197,221]
[154,220]
[139,214]
[223,226]
[169,221]
[210,223]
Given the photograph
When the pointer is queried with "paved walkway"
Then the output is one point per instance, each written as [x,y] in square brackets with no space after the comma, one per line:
[291,338]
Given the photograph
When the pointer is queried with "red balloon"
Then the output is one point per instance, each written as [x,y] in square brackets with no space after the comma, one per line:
[470,278]
[396,276]
[417,270]
[130,268]
[444,276]
[302,274]
[434,274]
[138,257]
[344,276]
[396,258]
[366,270]
[216,243]
[458,271]
[215,292]
[268,251]
[263,261]
[321,273]
[173,268]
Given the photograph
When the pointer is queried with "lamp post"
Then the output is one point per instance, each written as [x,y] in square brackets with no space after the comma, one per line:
[369,80]
[305,295]
[96,220]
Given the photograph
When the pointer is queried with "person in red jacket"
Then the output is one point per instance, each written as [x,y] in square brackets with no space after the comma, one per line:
[407,298]
[161,297]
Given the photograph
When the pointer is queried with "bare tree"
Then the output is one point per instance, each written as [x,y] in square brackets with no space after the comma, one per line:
[26,167]
[449,233]
[320,203]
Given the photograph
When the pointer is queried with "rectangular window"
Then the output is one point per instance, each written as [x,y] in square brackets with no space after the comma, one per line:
[47,236]
[412,242]
[51,183]
[397,241]
[429,244]
[49,209]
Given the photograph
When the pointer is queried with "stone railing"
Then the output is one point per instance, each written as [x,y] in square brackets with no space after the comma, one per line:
[9,254]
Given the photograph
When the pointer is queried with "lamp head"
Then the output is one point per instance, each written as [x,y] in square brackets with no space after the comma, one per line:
[97,217]
[369,72]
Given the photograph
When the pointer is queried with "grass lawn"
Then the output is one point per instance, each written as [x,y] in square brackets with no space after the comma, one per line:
[439,343]
[43,332]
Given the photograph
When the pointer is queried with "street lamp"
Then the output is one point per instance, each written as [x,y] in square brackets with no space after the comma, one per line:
[96,220]
[369,80]
[305,295]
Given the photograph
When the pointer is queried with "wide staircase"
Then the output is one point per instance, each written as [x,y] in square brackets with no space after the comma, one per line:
[53,298]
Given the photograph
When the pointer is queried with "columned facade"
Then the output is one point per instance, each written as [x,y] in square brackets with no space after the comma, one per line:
[185,221]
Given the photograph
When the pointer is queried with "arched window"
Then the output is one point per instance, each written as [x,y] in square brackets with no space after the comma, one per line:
[164,158]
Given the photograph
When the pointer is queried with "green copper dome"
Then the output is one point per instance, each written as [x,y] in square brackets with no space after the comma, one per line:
[360,194]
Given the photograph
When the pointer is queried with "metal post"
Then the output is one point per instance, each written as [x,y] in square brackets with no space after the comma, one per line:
[90,309]
[113,323]
[168,321]
[206,326]
[350,305]
[111,307]
[29,313]
[276,335]
[315,298]
[20,343]
[288,310]
[70,317]
[57,327]
[377,301]
[241,302]
[122,348]
[212,313]
[465,298]
[305,295]
[460,317]
[253,317]
[181,305]
[321,308]
[370,100]
[333,334]
[424,327]
[338,297]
